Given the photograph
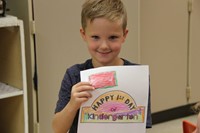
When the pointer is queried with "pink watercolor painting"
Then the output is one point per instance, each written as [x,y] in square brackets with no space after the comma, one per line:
[103,80]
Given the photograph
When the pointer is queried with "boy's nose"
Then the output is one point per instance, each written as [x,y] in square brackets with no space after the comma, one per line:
[104,44]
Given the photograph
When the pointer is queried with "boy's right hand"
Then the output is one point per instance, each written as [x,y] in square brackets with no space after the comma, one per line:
[80,93]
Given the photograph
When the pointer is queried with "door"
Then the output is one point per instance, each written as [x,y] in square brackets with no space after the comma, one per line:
[170,53]
[164,29]
[59,45]
[194,51]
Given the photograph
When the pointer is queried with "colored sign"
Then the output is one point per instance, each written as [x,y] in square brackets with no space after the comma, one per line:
[119,103]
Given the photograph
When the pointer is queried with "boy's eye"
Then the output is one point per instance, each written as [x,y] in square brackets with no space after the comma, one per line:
[95,37]
[113,37]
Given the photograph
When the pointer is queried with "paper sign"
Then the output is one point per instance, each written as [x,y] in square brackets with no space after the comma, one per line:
[119,102]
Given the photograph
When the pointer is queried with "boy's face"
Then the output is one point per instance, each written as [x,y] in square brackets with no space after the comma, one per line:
[104,39]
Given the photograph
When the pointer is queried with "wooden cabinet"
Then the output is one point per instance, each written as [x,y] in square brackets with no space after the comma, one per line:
[13,83]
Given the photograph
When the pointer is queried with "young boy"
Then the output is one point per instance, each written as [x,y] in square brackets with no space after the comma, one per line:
[104,30]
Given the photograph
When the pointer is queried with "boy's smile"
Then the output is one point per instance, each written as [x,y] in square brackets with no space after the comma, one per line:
[104,39]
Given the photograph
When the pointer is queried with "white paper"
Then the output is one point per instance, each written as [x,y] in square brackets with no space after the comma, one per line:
[119,102]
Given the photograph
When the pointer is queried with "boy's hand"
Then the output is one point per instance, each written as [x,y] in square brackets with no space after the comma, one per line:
[80,93]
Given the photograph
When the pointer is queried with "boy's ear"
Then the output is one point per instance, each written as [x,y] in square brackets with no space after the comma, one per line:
[82,32]
[125,33]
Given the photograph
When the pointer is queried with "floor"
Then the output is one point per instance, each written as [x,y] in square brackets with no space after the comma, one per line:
[173,126]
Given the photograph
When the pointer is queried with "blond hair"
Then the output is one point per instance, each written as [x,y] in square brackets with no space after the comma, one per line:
[112,10]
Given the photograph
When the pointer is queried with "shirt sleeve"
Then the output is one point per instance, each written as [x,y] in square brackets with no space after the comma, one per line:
[64,93]
[149,118]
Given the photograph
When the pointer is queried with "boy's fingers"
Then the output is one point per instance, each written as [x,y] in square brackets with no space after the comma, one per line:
[83,86]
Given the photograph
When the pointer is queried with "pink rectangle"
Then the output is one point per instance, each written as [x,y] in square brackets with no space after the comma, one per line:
[103,80]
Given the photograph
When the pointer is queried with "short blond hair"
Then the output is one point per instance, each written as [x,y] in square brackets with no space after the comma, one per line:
[112,10]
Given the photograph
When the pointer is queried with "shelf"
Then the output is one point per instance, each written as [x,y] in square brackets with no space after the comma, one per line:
[9,91]
[13,82]
[8,21]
